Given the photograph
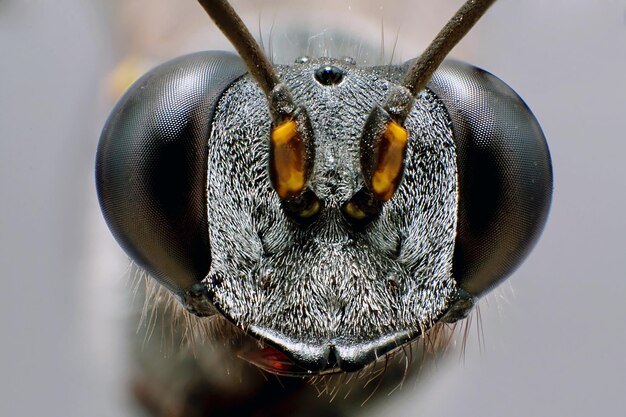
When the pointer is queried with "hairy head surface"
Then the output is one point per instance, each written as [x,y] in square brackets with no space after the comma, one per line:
[328,285]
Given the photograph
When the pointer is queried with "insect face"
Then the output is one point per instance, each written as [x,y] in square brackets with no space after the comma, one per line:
[327,210]
[321,290]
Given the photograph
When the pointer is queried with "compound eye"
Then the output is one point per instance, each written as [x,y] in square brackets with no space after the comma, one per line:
[504,171]
[151,167]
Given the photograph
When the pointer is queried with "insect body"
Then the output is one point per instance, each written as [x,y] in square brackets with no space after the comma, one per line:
[332,212]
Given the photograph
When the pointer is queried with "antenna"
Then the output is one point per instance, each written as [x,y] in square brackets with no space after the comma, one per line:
[384,141]
[291,138]
[465,18]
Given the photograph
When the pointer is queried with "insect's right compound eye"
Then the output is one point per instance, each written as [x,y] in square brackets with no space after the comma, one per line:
[151,167]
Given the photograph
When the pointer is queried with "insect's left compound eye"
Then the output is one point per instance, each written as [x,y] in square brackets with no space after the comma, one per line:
[504,171]
[151,166]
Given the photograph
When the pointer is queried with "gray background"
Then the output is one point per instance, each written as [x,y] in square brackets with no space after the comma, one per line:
[553,333]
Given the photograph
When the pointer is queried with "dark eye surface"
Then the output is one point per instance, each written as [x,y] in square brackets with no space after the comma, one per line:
[505,174]
[151,166]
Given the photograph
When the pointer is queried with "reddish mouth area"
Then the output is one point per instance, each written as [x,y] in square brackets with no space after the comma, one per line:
[274,361]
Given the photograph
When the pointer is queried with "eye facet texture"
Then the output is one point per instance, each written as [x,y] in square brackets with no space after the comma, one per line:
[151,166]
[505,175]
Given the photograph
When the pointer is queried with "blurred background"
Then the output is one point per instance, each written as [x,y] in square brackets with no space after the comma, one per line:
[554,334]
